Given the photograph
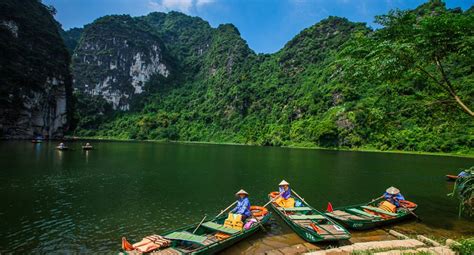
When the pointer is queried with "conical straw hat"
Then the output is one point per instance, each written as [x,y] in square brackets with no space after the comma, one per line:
[241,192]
[393,191]
[283,183]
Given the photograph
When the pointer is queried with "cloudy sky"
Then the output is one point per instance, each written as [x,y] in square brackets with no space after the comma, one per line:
[265,24]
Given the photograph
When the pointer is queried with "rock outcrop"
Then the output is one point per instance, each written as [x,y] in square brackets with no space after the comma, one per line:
[115,57]
[35,82]
[120,58]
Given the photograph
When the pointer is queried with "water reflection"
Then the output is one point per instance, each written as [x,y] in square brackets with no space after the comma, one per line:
[87,155]
[37,151]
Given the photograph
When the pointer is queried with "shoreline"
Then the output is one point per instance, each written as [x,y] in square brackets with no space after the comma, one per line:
[421,153]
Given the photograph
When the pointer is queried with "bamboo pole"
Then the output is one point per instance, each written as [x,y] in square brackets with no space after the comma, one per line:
[200,223]
[228,207]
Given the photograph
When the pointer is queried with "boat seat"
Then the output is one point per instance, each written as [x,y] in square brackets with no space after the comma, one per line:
[354,210]
[186,236]
[345,215]
[219,227]
[375,209]
[297,209]
[306,217]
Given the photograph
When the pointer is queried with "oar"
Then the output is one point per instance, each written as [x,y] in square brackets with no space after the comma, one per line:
[294,192]
[228,207]
[200,223]
[271,200]
[412,213]
[260,223]
[377,198]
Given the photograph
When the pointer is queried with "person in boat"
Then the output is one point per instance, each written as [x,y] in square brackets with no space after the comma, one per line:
[88,145]
[463,173]
[61,145]
[285,200]
[393,196]
[243,205]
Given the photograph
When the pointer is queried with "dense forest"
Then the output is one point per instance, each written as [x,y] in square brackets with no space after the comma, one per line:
[337,84]
[407,85]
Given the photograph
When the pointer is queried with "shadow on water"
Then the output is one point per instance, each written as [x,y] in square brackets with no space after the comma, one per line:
[85,201]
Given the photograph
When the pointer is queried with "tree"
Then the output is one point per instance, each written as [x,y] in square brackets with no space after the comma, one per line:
[427,40]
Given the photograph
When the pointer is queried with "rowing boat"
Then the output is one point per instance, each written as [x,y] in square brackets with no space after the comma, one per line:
[87,147]
[62,148]
[450,177]
[204,238]
[309,223]
[368,215]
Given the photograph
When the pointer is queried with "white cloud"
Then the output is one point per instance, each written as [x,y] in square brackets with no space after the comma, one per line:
[204,2]
[185,6]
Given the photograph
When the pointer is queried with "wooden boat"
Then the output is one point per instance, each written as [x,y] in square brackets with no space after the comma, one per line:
[37,141]
[368,215]
[62,148]
[450,177]
[310,224]
[87,148]
[209,237]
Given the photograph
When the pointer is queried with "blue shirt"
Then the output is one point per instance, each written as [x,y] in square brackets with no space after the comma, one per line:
[285,193]
[463,174]
[394,198]
[243,207]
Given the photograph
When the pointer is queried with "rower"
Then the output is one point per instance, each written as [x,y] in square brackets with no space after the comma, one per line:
[237,216]
[393,196]
[243,205]
[463,173]
[61,145]
[88,145]
[285,200]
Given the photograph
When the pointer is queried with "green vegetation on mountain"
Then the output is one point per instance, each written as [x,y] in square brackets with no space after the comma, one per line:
[71,38]
[337,84]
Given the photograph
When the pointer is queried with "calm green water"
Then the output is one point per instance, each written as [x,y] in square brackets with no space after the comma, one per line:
[76,201]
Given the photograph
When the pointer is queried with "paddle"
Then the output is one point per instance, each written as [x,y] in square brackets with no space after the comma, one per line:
[271,200]
[260,223]
[375,199]
[200,223]
[228,207]
[412,213]
[294,192]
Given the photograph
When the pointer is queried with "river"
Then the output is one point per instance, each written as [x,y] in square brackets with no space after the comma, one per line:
[85,201]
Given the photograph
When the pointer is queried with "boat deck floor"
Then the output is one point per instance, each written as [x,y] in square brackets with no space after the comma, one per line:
[346,215]
[210,239]
[327,230]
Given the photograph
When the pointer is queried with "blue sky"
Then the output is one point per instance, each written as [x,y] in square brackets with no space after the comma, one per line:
[265,24]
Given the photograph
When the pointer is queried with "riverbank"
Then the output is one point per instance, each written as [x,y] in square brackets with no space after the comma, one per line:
[369,150]
[378,241]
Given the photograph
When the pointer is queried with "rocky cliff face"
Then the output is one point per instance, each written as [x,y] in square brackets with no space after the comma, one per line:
[120,58]
[35,83]
[114,59]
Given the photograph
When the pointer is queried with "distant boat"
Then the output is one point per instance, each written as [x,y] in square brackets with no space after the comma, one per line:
[87,147]
[38,139]
[62,147]
[450,177]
